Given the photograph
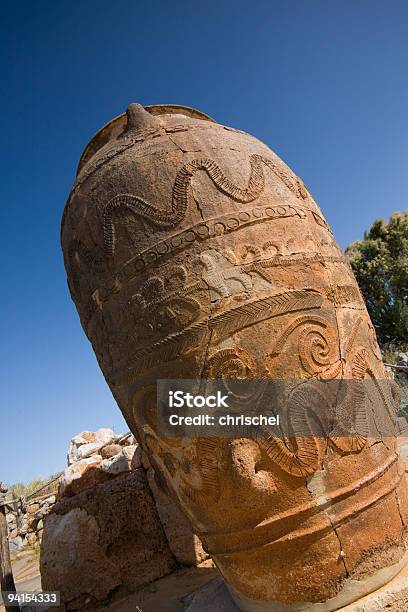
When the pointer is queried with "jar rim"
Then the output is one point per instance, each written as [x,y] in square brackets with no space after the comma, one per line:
[116,125]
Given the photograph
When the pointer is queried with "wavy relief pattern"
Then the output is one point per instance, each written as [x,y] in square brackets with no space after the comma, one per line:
[171,219]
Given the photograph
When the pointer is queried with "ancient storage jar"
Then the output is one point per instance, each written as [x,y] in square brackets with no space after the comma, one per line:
[192,250]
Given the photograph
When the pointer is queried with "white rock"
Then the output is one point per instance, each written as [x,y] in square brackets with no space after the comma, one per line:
[16,544]
[104,435]
[84,437]
[72,455]
[78,440]
[119,463]
[82,475]
[49,500]
[43,511]
[87,449]
[129,440]
[129,451]
[115,465]
[23,525]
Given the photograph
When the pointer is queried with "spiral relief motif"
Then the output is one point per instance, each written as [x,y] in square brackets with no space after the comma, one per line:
[317,346]
[236,373]
[226,364]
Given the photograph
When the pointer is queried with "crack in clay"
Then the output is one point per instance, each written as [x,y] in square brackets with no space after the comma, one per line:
[341,551]
[197,203]
[325,512]
[342,555]
[177,145]
[399,508]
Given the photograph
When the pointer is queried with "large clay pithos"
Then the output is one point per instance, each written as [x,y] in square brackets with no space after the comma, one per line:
[193,251]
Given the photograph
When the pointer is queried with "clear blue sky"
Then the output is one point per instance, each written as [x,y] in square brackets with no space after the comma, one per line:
[324,83]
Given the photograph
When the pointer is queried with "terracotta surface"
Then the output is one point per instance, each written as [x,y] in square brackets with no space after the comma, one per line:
[392,597]
[192,250]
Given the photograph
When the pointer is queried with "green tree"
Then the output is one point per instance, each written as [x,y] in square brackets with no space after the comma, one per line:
[380,264]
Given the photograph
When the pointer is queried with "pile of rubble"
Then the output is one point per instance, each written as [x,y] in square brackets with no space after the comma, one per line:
[95,457]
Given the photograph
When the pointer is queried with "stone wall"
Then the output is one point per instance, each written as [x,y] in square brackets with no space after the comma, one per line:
[401,377]
[112,527]
[102,539]
[398,371]
[25,527]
